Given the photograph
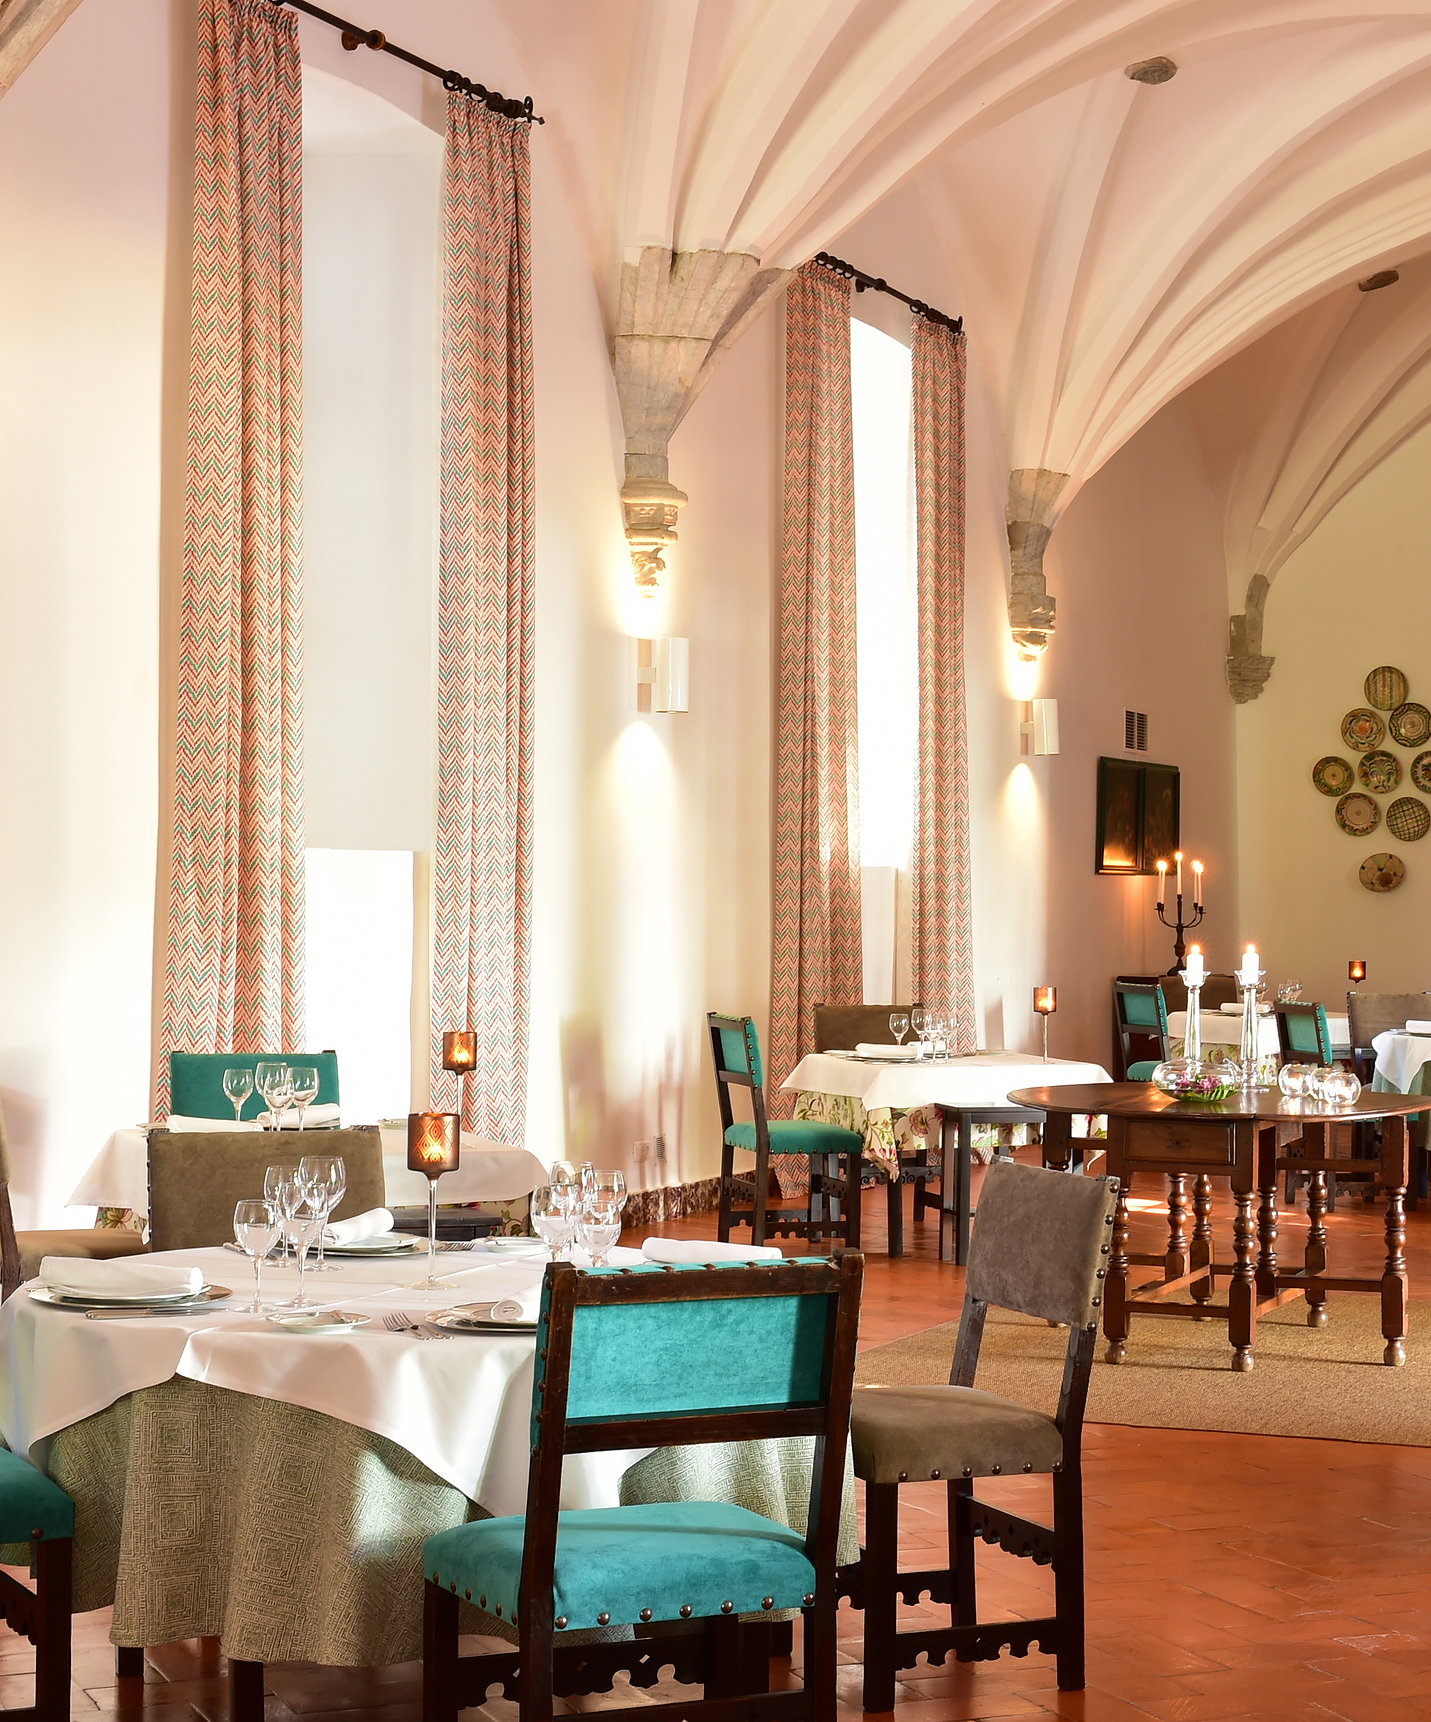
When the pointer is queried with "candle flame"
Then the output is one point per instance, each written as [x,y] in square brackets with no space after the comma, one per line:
[1177,854]
[1162,866]
[1197,866]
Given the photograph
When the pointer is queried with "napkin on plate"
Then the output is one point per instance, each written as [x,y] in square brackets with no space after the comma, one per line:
[375,1223]
[869,1049]
[124,1277]
[518,1306]
[327,1113]
[1418,1025]
[183,1126]
[693,1250]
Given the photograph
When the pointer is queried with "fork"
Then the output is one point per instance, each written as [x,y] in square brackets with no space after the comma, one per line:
[399,1321]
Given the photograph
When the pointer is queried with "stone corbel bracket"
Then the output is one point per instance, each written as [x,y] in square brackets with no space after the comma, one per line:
[679,313]
[1033,513]
[1247,668]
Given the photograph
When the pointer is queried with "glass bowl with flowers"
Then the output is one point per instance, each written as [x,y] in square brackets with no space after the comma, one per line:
[1196,1079]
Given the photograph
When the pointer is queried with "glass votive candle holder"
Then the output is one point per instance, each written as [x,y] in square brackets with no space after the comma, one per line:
[1292,1080]
[1339,1087]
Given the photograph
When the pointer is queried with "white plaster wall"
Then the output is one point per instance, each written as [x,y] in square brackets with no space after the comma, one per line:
[1352,597]
[84,140]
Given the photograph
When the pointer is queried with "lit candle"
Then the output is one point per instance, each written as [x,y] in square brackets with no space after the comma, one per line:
[1178,857]
[1193,971]
[1197,884]
[1251,971]
[1162,882]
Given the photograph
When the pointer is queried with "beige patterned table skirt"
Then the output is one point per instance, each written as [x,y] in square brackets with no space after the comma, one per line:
[292,1536]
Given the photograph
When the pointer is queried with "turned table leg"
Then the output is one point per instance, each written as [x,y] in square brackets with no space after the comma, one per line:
[1315,1256]
[1201,1254]
[1175,1262]
[1395,1170]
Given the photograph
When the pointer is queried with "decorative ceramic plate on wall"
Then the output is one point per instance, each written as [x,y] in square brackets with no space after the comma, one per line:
[1357,814]
[1421,771]
[1386,688]
[1382,872]
[1410,724]
[1408,819]
[1334,776]
[1362,729]
[1379,771]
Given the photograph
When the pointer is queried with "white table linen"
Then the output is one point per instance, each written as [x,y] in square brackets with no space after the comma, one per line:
[1223,1030]
[461,1405]
[1399,1057]
[487,1172]
[982,1079]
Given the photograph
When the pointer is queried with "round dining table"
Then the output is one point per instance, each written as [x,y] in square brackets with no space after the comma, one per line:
[1248,1139]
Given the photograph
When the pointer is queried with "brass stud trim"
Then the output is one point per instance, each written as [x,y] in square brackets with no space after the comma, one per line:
[499,1611]
[767,1602]
[560,1623]
[481,1602]
[603,1619]
[968,1470]
[904,1476]
[645,1615]
[996,1469]
[453,1588]
[1028,1464]
[685,1611]
[727,1608]
[809,1599]
[934,1474]
[469,1596]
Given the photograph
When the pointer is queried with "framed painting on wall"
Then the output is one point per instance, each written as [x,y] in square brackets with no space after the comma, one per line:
[1139,815]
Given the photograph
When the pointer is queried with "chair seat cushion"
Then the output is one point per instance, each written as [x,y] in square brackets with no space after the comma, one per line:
[618,1561]
[798,1136]
[97,1244]
[30,1502]
[1142,1070]
[909,1433]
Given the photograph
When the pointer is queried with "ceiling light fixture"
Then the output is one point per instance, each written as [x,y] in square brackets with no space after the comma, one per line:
[1155,71]
[1382,278]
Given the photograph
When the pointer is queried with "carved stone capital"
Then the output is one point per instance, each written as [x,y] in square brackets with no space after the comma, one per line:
[1032,515]
[1247,667]
[650,503]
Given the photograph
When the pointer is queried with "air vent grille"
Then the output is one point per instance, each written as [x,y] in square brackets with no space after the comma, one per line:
[1135,732]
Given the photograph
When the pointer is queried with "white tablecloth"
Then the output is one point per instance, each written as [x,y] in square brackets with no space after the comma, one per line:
[1399,1057]
[460,1405]
[487,1171]
[1220,1030]
[983,1079]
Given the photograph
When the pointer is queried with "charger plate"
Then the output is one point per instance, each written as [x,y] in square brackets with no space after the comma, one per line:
[155,1300]
[464,1318]
[386,1245]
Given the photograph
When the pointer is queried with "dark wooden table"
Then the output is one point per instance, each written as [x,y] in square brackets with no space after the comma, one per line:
[1247,1139]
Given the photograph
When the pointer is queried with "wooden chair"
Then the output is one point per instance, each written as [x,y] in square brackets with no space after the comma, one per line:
[36,1511]
[195,1179]
[661,1357]
[1303,1037]
[1217,989]
[1140,1012]
[22,1252]
[1368,1015]
[833,1210]
[1040,1246]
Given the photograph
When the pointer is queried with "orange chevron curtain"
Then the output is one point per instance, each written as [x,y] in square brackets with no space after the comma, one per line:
[819,951]
[234,969]
[941,931]
[482,873]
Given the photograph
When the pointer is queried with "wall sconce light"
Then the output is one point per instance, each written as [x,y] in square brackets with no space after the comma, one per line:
[663,675]
[1045,1004]
[434,1144]
[1356,969]
[1038,732]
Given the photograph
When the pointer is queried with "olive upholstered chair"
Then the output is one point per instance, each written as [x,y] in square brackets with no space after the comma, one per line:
[196,1081]
[1040,1247]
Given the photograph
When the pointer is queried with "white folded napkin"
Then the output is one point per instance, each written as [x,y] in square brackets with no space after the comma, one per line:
[327,1113]
[693,1250]
[375,1223]
[870,1049]
[185,1126]
[518,1306]
[125,1276]
[1418,1025]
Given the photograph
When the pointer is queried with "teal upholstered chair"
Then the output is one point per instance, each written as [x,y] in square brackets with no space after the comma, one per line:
[661,1357]
[36,1511]
[196,1081]
[833,1210]
[1139,1010]
[1302,1033]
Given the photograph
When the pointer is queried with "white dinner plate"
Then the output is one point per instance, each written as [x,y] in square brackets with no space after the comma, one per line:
[515,1246]
[470,1318]
[385,1245]
[320,1321]
[62,1299]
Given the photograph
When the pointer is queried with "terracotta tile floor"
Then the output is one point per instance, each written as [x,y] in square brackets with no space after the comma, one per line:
[1229,1576]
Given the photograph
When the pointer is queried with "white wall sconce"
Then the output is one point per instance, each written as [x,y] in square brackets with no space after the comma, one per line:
[663,675]
[1038,733]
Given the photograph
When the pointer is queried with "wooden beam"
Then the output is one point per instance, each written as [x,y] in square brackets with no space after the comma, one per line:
[25,27]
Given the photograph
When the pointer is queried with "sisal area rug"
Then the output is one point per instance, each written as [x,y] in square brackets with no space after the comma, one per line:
[1327,1382]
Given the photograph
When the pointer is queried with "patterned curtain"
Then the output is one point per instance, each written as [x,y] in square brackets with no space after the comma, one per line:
[941,937]
[819,952]
[482,877]
[234,971]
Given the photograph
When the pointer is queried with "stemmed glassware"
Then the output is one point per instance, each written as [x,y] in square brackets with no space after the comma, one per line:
[272,1081]
[238,1085]
[273,1181]
[323,1178]
[256,1230]
[303,1224]
[305,1091]
[553,1216]
[899,1025]
[937,1027]
[598,1226]
[919,1021]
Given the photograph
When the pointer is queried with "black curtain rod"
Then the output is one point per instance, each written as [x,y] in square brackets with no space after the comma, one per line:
[355,38]
[878,285]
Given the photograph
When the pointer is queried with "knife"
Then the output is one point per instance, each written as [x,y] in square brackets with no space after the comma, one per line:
[139,1313]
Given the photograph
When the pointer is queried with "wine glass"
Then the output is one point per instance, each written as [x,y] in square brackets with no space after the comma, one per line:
[919,1022]
[305,1092]
[274,1178]
[607,1188]
[552,1217]
[304,1225]
[598,1227]
[268,1078]
[324,1180]
[238,1085]
[938,1027]
[256,1230]
[899,1025]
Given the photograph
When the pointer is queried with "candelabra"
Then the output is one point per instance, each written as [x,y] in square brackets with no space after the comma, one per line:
[1178,926]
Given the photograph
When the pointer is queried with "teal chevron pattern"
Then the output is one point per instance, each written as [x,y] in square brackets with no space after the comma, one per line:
[233,975]
[819,949]
[482,866]
[942,932]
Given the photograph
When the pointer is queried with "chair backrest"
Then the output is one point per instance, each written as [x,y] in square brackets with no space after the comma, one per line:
[1302,1033]
[1038,1242]
[196,1081]
[195,1179]
[1139,1009]
[1217,989]
[845,1026]
[1371,1014]
[661,1357]
[735,1047]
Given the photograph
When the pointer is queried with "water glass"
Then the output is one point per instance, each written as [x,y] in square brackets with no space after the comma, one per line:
[553,1216]
[598,1228]
[270,1077]
[323,1179]
[274,1180]
[939,1038]
[238,1085]
[1289,992]
[256,1230]
[305,1087]
[899,1025]
[603,1187]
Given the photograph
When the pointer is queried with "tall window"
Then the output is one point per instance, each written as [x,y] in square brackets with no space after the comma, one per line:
[888,650]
